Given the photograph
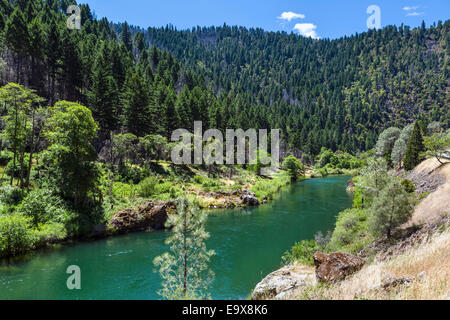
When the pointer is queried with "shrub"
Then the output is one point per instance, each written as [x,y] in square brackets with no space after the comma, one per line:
[9,167]
[42,206]
[5,157]
[163,187]
[48,233]
[408,185]
[15,237]
[10,195]
[351,227]
[265,189]
[390,209]
[199,179]
[133,174]
[294,166]
[301,252]
[122,190]
[146,187]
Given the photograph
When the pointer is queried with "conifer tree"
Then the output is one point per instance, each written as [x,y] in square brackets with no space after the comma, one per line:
[135,104]
[184,270]
[388,211]
[414,148]
[17,39]
[103,96]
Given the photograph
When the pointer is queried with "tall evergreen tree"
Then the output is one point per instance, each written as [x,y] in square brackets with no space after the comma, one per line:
[135,102]
[103,96]
[184,270]
[414,149]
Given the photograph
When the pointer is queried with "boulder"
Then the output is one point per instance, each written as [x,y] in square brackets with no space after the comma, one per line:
[389,282]
[148,216]
[279,284]
[249,199]
[336,266]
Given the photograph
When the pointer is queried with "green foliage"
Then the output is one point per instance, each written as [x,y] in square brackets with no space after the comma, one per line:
[350,233]
[389,210]
[373,178]
[408,185]
[11,195]
[15,169]
[301,252]
[437,145]
[399,149]
[414,148]
[267,188]
[337,160]
[184,270]
[122,190]
[48,233]
[70,156]
[42,206]
[147,187]
[293,166]
[15,236]
[5,157]
[385,143]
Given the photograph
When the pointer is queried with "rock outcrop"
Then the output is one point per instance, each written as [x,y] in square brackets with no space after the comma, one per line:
[232,199]
[281,283]
[249,199]
[148,216]
[336,266]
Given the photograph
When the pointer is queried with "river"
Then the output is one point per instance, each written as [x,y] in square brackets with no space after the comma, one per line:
[248,242]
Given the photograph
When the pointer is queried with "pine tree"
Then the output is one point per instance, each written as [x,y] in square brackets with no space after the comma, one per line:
[17,39]
[184,270]
[135,103]
[414,148]
[388,211]
[126,37]
[103,96]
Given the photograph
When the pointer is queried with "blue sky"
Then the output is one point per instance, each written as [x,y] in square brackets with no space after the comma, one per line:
[315,18]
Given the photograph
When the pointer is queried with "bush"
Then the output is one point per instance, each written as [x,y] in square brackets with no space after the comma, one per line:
[133,174]
[42,206]
[146,188]
[301,252]
[265,189]
[199,179]
[351,228]
[10,195]
[15,237]
[9,167]
[48,233]
[122,190]
[408,185]
[5,157]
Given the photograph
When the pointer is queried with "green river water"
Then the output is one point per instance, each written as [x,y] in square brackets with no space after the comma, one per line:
[248,242]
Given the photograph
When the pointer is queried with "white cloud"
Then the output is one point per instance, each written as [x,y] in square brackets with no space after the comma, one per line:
[414,14]
[411,8]
[307,30]
[291,16]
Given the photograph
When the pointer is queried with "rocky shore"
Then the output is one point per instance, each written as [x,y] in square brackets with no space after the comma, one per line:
[149,215]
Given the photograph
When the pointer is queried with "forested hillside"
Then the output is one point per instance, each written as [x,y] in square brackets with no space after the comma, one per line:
[337,94]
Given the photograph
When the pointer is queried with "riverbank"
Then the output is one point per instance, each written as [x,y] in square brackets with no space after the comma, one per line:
[413,264]
[128,205]
[248,241]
